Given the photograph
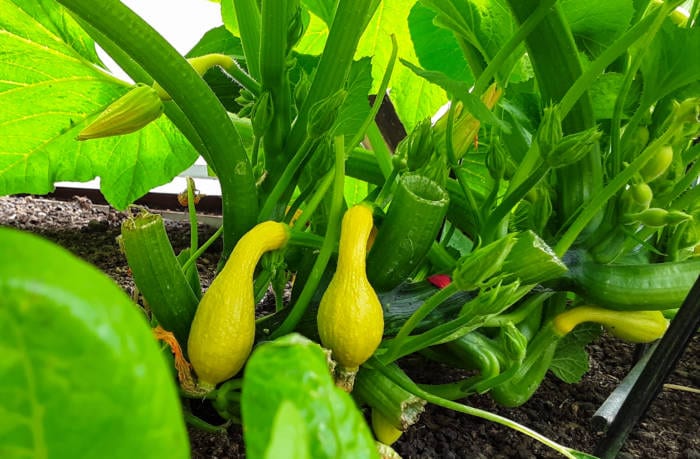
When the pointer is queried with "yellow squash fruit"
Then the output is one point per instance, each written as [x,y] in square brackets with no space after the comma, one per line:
[350,317]
[223,328]
[384,430]
[632,326]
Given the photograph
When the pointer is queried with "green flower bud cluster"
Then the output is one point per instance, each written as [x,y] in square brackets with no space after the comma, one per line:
[324,113]
[572,148]
[262,114]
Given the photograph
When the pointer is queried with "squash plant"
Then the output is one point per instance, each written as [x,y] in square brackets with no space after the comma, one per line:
[558,187]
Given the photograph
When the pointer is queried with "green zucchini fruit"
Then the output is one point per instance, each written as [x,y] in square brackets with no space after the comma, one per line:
[632,287]
[158,274]
[409,229]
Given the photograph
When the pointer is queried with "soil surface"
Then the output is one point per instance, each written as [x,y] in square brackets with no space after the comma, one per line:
[562,412]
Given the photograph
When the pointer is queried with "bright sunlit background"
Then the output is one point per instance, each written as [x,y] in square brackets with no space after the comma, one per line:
[181,22]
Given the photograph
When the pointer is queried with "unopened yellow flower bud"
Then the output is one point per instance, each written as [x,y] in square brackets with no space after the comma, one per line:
[131,112]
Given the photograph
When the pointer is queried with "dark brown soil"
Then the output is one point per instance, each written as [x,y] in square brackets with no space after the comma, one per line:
[671,428]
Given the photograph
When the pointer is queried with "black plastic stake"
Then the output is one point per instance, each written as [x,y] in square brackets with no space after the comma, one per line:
[652,377]
[608,411]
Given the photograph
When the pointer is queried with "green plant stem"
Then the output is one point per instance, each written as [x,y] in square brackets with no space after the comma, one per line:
[595,68]
[198,252]
[273,77]
[555,61]
[602,196]
[461,179]
[426,308]
[242,78]
[192,214]
[407,384]
[511,45]
[190,92]
[329,243]
[248,16]
[381,150]
[201,424]
[647,35]
[282,184]
[440,258]
[512,198]
[521,313]
[298,201]
[315,200]
[349,23]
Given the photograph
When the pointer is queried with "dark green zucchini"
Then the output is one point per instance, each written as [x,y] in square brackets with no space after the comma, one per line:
[630,287]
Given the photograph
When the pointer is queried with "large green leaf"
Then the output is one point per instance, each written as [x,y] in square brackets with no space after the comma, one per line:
[570,360]
[413,97]
[48,93]
[56,19]
[460,91]
[436,48]
[667,66]
[324,9]
[486,25]
[80,373]
[355,108]
[596,23]
[294,370]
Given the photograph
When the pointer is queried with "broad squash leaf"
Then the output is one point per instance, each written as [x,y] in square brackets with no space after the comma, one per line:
[597,23]
[666,67]
[570,360]
[49,92]
[60,23]
[414,98]
[294,370]
[436,48]
[81,374]
[486,25]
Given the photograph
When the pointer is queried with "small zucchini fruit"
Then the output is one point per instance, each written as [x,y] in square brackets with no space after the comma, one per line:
[632,326]
[223,329]
[350,317]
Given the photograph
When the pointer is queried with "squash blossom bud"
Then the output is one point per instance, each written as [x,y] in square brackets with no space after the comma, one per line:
[496,161]
[474,269]
[262,114]
[295,29]
[573,148]
[245,99]
[131,112]
[656,217]
[550,132]
[323,114]
[466,126]
[419,145]
[513,341]
[658,165]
